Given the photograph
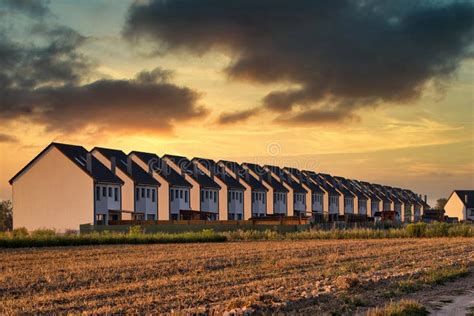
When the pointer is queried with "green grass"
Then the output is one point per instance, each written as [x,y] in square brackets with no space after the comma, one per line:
[445,274]
[401,308]
[20,237]
[431,277]
[46,238]
[418,230]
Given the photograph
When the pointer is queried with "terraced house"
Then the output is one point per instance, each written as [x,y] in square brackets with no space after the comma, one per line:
[174,193]
[255,193]
[231,194]
[315,196]
[66,185]
[277,197]
[140,189]
[204,192]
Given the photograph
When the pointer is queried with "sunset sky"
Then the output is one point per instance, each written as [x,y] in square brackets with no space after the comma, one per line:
[374,90]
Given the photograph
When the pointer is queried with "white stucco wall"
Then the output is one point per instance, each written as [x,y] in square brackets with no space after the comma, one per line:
[53,193]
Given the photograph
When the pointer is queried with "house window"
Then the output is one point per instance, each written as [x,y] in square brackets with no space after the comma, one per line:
[104,191]
[97,193]
[239,217]
[153,195]
[240,197]
[116,194]
[110,192]
[137,194]
[472,212]
[215,196]
[148,193]
[100,219]
[143,193]
[186,196]
[176,193]
[207,194]
[263,197]
[150,217]
[253,196]
[228,195]
[233,195]
[180,194]
[202,195]
[172,195]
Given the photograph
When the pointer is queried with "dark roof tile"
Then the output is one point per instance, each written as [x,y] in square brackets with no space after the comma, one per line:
[169,174]
[138,175]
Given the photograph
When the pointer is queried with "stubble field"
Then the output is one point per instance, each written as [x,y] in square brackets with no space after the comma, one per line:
[266,276]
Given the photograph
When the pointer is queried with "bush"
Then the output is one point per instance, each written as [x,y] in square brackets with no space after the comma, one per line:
[19,232]
[135,230]
[47,238]
[240,235]
[43,233]
[416,230]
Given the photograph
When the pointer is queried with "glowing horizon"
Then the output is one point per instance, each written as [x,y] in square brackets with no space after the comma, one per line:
[209,95]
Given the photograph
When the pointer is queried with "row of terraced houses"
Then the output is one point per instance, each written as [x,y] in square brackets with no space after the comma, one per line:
[66,185]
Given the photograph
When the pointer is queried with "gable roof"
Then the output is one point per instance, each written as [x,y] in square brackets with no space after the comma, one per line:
[169,174]
[315,188]
[470,197]
[364,189]
[244,174]
[382,193]
[266,176]
[138,175]
[322,182]
[78,155]
[193,171]
[295,186]
[354,188]
[335,183]
[220,173]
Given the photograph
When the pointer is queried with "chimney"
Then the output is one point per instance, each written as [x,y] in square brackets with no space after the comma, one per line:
[247,176]
[129,165]
[426,198]
[89,162]
[222,171]
[113,164]
[195,169]
[152,166]
[465,198]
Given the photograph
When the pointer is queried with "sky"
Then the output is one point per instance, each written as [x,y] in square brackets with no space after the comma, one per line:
[372,90]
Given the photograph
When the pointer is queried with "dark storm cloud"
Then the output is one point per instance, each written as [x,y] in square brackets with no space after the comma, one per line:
[46,82]
[111,104]
[56,62]
[5,138]
[227,118]
[364,52]
[36,8]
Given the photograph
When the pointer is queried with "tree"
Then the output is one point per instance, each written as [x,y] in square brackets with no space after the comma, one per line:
[440,203]
[6,215]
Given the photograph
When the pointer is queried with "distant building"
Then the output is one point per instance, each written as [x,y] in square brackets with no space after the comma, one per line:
[461,205]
